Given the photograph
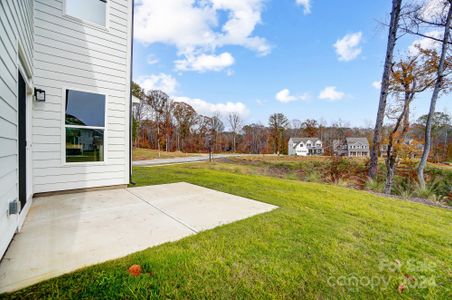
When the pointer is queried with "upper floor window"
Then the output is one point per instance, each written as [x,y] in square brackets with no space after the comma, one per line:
[94,11]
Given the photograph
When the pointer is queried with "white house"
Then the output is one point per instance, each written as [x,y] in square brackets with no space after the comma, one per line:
[305,146]
[65,70]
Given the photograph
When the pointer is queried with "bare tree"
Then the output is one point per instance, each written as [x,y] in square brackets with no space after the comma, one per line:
[158,101]
[278,123]
[255,138]
[441,123]
[139,110]
[216,127]
[439,85]
[297,126]
[235,122]
[186,118]
[167,124]
[202,130]
[310,128]
[392,38]
[418,18]
[322,125]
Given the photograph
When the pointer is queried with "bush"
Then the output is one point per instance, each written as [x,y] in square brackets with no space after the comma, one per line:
[374,185]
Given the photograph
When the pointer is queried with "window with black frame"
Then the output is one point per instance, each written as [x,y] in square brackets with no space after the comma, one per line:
[94,11]
[84,126]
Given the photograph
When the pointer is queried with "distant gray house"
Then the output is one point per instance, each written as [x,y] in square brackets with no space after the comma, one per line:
[305,146]
[351,146]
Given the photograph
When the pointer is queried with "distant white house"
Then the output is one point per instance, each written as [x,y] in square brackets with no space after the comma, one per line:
[65,74]
[305,146]
[351,146]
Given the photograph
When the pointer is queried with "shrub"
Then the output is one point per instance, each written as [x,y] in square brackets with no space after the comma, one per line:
[374,185]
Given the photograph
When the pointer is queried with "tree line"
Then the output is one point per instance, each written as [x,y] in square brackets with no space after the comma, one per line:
[164,124]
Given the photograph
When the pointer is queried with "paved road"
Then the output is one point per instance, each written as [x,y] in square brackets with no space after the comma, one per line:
[180,160]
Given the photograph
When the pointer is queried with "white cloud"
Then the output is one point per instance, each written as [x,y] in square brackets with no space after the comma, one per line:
[284,96]
[426,43]
[176,22]
[163,82]
[347,48]
[330,93]
[195,27]
[433,9]
[377,84]
[204,62]
[306,5]
[209,109]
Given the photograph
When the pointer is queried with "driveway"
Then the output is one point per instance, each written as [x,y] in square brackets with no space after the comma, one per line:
[63,233]
[181,160]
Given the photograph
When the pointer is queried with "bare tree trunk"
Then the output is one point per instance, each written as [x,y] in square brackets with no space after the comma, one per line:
[233,142]
[178,140]
[392,152]
[392,37]
[436,90]
[158,138]
[390,164]
[445,145]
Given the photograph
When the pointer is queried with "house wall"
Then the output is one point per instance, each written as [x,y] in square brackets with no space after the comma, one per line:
[73,54]
[290,149]
[301,151]
[353,150]
[16,40]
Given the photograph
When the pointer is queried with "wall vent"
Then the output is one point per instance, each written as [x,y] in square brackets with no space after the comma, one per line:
[13,208]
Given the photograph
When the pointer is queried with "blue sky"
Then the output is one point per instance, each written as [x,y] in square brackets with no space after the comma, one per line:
[243,55]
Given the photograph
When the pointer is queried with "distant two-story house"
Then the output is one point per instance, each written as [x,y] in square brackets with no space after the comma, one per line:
[305,146]
[65,73]
[351,146]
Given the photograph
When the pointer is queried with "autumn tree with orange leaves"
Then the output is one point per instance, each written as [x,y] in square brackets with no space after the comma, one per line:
[409,76]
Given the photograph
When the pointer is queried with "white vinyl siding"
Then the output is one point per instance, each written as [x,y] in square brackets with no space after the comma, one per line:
[16,28]
[71,54]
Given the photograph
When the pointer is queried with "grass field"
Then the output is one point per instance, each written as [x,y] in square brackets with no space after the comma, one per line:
[148,154]
[324,242]
[349,172]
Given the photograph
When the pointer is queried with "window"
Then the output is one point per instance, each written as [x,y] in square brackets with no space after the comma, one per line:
[94,11]
[85,126]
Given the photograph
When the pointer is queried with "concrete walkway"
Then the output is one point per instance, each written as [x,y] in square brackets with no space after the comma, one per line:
[181,160]
[63,233]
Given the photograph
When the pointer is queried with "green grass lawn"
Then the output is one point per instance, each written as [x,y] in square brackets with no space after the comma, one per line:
[324,242]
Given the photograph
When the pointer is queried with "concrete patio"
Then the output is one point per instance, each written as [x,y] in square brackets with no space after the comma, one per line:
[63,233]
